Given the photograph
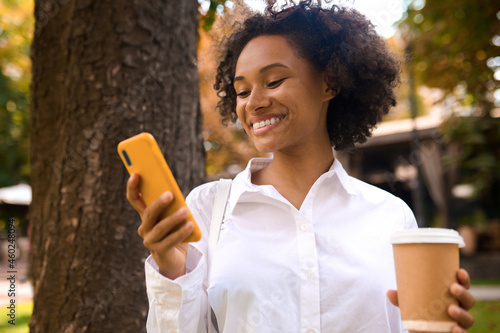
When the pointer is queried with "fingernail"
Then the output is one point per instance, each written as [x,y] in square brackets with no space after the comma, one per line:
[455,311]
[166,197]
[456,289]
[183,211]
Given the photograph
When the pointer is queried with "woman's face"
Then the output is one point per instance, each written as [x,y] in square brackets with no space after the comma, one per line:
[282,99]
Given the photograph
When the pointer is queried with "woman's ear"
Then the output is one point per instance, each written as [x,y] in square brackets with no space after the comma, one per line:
[332,86]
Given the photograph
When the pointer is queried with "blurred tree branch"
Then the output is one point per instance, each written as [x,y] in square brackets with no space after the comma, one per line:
[452,42]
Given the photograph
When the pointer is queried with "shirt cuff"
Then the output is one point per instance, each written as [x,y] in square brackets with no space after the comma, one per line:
[165,290]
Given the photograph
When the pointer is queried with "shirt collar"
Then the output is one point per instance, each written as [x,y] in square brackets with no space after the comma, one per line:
[344,178]
[243,181]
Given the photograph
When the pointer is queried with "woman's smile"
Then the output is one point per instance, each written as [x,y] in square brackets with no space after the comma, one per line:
[265,123]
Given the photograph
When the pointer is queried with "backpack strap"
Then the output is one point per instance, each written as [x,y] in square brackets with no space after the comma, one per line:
[219,208]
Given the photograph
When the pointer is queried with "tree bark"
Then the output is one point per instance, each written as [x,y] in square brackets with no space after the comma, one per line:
[104,70]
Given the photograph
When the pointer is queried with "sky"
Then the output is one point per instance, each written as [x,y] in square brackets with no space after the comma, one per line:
[382,13]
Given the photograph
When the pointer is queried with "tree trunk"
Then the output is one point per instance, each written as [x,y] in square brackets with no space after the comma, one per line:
[104,70]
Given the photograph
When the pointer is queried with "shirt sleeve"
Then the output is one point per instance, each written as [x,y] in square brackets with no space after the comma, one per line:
[180,305]
[409,217]
[176,305]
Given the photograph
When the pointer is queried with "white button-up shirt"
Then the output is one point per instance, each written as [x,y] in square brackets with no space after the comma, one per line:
[323,268]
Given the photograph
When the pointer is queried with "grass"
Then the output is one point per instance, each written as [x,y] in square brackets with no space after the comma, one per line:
[486,314]
[23,314]
[486,317]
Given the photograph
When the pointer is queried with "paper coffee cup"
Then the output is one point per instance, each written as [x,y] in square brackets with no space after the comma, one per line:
[426,261]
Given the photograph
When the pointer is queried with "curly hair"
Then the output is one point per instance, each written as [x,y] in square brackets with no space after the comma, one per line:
[338,41]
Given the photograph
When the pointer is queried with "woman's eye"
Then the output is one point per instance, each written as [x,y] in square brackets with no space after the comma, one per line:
[242,94]
[276,83]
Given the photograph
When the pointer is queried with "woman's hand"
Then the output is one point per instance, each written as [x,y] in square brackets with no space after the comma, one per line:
[163,243]
[458,312]
[465,300]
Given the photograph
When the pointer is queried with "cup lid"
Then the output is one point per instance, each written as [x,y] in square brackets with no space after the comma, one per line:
[427,235]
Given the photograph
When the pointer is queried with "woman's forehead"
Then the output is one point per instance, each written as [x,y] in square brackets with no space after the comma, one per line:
[265,50]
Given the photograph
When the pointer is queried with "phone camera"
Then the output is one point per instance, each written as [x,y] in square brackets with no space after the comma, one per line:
[127,159]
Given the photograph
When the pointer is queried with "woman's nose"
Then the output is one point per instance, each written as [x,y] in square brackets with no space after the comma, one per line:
[257,100]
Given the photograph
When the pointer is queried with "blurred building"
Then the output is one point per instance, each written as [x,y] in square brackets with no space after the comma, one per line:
[390,160]
[14,203]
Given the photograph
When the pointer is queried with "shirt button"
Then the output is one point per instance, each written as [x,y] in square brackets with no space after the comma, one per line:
[304,227]
[310,274]
[310,331]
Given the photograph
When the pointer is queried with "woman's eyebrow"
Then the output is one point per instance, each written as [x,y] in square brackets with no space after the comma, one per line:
[263,69]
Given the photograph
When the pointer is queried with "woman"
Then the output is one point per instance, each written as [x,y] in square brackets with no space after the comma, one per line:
[303,246]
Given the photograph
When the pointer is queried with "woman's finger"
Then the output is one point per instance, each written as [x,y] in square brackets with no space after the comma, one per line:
[151,214]
[458,329]
[392,295]
[176,237]
[164,227]
[463,296]
[133,194]
[463,278]
[464,318]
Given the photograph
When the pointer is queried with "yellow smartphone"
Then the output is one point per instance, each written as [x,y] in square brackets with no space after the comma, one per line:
[141,155]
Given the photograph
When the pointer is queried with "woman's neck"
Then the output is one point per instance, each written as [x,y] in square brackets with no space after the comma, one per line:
[293,173]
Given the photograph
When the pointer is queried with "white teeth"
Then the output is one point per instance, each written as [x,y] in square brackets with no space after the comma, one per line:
[267,122]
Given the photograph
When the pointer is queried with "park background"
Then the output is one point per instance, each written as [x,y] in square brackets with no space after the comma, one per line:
[100,71]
